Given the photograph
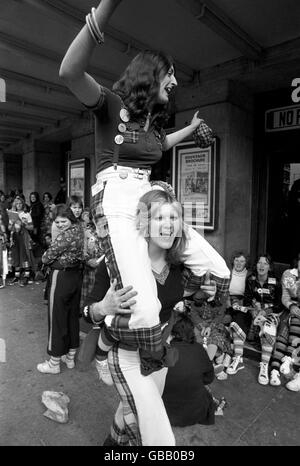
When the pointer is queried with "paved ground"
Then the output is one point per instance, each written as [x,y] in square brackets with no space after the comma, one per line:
[255,415]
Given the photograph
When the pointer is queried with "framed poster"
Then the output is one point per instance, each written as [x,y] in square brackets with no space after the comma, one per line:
[194,180]
[78,179]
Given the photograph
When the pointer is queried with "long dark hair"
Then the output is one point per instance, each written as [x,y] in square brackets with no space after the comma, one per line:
[62,210]
[139,84]
[157,197]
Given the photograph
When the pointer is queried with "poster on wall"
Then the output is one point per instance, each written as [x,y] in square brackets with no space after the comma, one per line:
[77,178]
[194,181]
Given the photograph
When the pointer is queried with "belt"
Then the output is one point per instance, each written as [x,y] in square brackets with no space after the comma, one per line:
[123,173]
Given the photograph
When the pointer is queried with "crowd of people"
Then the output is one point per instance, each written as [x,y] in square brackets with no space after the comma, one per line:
[159,296]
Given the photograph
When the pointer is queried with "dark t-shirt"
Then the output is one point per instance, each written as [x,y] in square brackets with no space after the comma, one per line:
[169,294]
[140,149]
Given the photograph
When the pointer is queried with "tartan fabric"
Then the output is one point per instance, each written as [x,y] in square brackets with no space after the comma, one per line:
[207,316]
[237,329]
[203,136]
[87,284]
[192,282]
[118,434]
[131,136]
[129,409]
[148,339]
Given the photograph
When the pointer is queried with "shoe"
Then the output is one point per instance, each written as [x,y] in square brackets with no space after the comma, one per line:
[286,365]
[222,375]
[69,362]
[104,372]
[46,368]
[275,378]
[263,377]
[294,385]
[235,365]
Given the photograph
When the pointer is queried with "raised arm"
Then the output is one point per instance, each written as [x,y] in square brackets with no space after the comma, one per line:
[76,60]
[178,136]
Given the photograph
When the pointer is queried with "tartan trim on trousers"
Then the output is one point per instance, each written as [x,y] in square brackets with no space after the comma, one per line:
[149,339]
[192,282]
[144,338]
[129,409]
[118,434]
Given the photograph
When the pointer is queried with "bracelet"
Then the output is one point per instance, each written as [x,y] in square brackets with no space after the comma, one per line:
[93,27]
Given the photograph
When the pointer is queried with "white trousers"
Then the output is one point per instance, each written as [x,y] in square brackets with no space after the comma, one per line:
[141,418]
[119,198]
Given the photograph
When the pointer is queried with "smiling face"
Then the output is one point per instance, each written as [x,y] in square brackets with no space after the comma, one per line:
[239,263]
[62,223]
[165,225]
[19,205]
[167,83]
[262,266]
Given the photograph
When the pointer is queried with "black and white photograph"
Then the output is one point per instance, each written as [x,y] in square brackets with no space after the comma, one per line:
[150,226]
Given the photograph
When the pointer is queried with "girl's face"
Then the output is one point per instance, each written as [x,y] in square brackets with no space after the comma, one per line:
[32,198]
[262,266]
[46,198]
[2,197]
[167,83]
[165,225]
[19,204]
[62,223]
[76,209]
[86,217]
[239,263]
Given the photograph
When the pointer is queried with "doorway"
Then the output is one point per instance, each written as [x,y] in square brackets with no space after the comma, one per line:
[283,219]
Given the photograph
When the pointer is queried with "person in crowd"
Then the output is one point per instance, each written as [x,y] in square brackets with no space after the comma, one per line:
[185,396]
[75,204]
[20,226]
[239,271]
[285,357]
[37,213]
[92,255]
[47,217]
[64,256]
[141,417]
[61,196]
[129,141]
[3,200]
[293,224]
[3,252]
[261,308]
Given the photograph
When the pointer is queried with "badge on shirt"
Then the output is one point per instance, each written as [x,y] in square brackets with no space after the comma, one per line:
[271,280]
[124,115]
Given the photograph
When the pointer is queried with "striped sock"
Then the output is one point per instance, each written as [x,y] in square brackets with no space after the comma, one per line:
[266,351]
[54,362]
[71,354]
[238,345]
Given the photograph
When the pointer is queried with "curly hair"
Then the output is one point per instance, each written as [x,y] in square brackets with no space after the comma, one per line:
[139,85]
[157,198]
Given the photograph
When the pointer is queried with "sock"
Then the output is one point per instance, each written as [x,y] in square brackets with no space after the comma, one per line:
[238,345]
[54,361]
[71,354]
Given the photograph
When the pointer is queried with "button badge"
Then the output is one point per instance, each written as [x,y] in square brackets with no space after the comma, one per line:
[124,115]
[119,139]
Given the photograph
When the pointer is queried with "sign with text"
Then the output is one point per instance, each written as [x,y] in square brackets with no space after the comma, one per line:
[283,118]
